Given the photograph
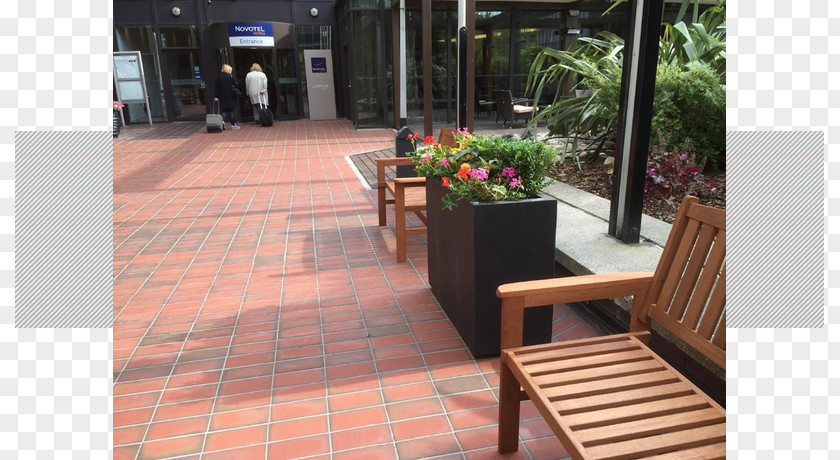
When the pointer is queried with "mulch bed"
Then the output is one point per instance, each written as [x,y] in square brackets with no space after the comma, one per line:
[594,178]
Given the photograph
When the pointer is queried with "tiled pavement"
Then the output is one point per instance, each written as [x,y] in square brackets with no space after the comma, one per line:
[259,311]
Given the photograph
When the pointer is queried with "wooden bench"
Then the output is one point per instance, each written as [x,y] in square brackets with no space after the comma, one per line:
[612,397]
[407,194]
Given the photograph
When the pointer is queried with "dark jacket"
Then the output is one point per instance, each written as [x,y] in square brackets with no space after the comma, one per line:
[224,91]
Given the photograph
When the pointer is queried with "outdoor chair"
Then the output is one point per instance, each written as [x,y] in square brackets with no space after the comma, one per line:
[407,194]
[612,397]
[509,109]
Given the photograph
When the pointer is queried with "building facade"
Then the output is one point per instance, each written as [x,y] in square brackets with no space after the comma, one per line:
[183,44]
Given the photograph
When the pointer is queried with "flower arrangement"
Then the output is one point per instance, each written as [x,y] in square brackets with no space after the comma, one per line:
[485,168]
[118,106]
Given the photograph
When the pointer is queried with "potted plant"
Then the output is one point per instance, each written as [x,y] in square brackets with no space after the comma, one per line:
[487,225]
[118,106]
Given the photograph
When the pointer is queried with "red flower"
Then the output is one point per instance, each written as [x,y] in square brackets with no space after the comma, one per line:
[429,140]
[446,182]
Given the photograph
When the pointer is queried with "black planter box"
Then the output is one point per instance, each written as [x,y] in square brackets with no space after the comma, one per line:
[476,247]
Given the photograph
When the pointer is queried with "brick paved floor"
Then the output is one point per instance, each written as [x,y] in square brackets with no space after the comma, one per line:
[259,311]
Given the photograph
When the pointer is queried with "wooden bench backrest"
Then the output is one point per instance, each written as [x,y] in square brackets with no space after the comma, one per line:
[447,136]
[688,292]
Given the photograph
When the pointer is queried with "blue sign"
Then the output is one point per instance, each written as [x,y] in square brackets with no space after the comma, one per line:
[250,29]
[197,74]
[250,34]
[319,65]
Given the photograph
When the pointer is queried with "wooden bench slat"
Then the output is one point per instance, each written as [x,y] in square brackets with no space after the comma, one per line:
[694,267]
[714,307]
[598,373]
[523,352]
[650,426]
[710,452]
[622,398]
[664,443]
[578,352]
[672,277]
[586,362]
[604,387]
[632,412]
[705,284]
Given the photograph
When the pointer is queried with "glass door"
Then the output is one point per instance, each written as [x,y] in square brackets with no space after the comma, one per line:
[186,84]
[288,102]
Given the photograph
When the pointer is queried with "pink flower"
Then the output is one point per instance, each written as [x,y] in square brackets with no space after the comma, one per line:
[509,172]
[444,162]
[516,182]
[479,173]
[426,157]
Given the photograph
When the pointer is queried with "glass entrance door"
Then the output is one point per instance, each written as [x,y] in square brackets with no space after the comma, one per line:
[288,92]
[186,83]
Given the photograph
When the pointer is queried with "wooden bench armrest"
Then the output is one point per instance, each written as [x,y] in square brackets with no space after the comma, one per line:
[516,297]
[410,181]
[382,163]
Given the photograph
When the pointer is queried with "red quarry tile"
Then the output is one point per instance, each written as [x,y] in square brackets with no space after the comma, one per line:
[404,377]
[432,336]
[383,452]
[298,428]
[357,418]
[139,387]
[355,400]
[129,375]
[493,454]
[360,437]
[298,352]
[298,409]
[478,438]
[393,364]
[420,427]
[472,400]
[454,370]
[221,440]
[175,395]
[412,409]
[447,357]
[474,418]
[199,366]
[184,409]
[442,345]
[245,386]
[534,428]
[239,418]
[136,400]
[254,452]
[427,447]
[132,417]
[348,357]
[189,380]
[171,447]
[298,448]
[247,360]
[126,452]
[259,370]
[129,435]
[546,449]
[410,391]
[347,345]
[396,351]
[287,379]
[365,382]
[299,364]
[243,401]
[295,393]
[180,427]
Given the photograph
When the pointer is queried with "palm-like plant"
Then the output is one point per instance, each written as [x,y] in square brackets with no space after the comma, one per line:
[590,119]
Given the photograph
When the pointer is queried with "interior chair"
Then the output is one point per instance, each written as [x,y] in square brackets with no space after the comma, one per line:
[510,109]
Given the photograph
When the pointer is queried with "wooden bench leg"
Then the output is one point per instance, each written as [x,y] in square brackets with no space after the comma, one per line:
[382,204]
[508,411]
[399,213]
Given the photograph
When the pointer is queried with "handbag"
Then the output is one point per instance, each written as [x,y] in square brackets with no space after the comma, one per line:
[236,91]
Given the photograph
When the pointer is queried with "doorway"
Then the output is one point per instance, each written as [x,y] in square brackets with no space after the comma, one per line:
[243,59]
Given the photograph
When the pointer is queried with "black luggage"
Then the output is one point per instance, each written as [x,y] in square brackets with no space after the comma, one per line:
[266,117]
[214,121]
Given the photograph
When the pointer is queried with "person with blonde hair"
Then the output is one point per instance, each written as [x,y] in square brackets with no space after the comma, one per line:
[225,91]
[256,85]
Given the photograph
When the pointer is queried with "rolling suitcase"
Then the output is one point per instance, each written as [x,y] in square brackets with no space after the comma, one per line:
[266,117]
[214,121]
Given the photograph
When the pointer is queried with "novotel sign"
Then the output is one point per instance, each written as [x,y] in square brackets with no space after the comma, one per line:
[250,34]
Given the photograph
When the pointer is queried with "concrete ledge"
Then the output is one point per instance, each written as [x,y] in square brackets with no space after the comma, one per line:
[583,245]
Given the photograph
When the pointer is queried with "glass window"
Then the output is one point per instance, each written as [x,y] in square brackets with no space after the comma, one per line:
[142,39]
[369,69]
[179,37]
[492,53]
[533,30]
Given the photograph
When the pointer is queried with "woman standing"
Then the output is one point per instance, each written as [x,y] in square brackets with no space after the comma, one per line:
[226,96]
[255,85]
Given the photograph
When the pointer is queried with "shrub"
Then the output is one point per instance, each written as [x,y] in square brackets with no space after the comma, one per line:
[675,173]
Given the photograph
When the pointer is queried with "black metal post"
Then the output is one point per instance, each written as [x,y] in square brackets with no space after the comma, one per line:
[462,78]
[638,80]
